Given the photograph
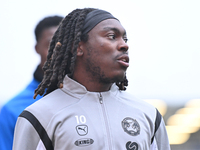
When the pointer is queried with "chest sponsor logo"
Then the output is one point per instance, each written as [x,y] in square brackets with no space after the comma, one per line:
[82,129]
[84,142]
[131,126]
[131,145]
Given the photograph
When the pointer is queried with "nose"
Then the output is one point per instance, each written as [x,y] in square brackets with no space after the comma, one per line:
[123,46]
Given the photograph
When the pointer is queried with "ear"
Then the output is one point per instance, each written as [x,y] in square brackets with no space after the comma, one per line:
[80,49]
[36,48]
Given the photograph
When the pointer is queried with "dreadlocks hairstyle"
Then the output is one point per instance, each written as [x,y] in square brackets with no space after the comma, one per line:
[63,50]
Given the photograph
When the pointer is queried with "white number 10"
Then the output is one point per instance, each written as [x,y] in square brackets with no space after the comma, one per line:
[80,119]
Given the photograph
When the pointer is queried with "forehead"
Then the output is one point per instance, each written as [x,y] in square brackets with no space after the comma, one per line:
[47,32]
[109,24]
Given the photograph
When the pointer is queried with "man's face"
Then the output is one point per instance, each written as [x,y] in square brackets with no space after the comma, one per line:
[43,43]
[106,57]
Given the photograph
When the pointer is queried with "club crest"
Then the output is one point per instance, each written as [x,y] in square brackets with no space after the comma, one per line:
[82,130]
[131,126]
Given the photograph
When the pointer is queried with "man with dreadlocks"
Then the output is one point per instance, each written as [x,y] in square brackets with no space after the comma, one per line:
[12,109]
[84,105]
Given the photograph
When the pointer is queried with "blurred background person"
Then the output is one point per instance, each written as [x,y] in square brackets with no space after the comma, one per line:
[10,111]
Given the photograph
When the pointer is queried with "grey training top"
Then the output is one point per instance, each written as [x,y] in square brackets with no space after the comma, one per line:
[76,119]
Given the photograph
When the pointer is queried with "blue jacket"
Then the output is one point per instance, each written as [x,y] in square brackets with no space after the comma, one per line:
[11,110]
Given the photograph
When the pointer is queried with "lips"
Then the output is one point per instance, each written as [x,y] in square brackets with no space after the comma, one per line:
[124,60]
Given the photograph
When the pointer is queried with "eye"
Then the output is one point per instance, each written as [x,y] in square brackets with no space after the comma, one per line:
[125,39]
[112,36]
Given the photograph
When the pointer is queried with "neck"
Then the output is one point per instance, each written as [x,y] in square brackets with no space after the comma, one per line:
[92,85]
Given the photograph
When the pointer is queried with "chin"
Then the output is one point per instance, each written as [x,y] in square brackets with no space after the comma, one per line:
[118,78]
[113,77]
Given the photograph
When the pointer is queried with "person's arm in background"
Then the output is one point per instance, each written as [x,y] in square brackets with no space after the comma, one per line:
[7,125]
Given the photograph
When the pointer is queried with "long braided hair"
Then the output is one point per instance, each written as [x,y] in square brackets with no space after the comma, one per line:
[62,52]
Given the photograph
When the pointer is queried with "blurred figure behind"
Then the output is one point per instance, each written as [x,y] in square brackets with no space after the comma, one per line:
[11,110]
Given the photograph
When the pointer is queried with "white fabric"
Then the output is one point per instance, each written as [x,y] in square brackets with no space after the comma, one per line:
[154,145]
[40,146]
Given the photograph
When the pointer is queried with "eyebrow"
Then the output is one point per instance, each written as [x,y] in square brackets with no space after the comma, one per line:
[114,29]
